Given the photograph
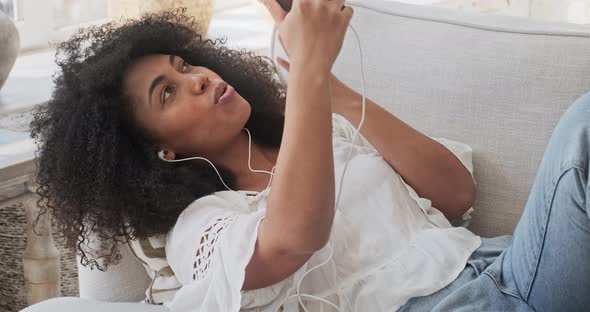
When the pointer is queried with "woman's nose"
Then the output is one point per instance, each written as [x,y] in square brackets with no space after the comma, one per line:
[199,83]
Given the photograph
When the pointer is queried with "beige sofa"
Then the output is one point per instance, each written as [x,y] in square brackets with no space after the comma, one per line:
[497,83]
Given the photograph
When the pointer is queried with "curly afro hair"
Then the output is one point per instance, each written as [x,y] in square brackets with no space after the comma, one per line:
[97,170]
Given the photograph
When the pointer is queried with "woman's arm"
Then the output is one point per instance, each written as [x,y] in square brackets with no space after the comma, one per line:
[300,207]
[303,186]
[426,165]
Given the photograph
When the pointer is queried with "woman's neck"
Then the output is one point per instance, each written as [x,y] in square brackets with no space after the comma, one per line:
[236,160]
[261,159]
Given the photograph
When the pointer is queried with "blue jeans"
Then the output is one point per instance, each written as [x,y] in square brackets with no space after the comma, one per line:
[545,265]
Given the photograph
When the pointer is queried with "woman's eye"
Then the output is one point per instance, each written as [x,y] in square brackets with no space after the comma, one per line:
[167,90]
[185,66]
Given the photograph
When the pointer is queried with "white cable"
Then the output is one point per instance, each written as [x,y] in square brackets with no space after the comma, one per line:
[357,130]
[161,156]
[250,155]
[316,298]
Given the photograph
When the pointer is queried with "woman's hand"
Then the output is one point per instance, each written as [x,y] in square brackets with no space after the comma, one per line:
[341,93]
[278,15]
[313,31]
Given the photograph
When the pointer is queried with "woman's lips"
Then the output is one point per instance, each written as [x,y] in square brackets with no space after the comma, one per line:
[228,94]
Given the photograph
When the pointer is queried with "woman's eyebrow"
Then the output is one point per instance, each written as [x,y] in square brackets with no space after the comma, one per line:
[159,79]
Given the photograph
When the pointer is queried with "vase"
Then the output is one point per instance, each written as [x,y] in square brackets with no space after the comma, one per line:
[10,43]
[202,10]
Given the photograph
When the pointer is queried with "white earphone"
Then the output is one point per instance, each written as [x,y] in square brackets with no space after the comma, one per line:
[162,156]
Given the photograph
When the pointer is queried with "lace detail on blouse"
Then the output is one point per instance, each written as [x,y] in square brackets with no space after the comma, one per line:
[207,246]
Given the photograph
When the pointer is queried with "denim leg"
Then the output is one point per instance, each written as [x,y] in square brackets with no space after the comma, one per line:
[548,264]
[471,290]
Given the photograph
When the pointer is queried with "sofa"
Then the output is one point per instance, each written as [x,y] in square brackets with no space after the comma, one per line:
[497,83]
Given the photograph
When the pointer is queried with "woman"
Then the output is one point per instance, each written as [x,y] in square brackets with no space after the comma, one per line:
[153,85]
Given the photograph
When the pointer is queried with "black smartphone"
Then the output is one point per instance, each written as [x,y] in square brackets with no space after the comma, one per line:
[285,4]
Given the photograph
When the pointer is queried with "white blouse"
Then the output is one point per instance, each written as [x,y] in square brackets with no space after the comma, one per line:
[389,244]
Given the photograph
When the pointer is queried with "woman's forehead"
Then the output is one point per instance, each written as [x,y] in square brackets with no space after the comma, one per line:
[148,63]
[143,69]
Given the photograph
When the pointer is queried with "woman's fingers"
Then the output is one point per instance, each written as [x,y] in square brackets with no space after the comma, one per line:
[275,10]
[349,12]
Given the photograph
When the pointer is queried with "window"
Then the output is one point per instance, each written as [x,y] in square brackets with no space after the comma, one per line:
[40,22]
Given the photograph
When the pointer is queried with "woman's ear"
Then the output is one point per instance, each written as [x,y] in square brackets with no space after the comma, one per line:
[170,155]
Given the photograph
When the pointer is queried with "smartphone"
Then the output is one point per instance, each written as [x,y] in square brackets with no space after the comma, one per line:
[285,4]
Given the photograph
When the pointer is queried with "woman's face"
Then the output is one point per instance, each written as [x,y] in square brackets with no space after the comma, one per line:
[178,104]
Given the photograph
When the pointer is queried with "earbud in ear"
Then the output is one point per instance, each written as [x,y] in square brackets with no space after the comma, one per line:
[162,155]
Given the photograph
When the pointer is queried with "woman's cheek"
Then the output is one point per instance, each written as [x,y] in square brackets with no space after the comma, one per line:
[181,110]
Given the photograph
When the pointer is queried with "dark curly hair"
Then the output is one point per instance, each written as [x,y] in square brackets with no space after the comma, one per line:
[98,173]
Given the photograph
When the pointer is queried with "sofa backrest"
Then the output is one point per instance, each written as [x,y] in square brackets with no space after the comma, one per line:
[497,83]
